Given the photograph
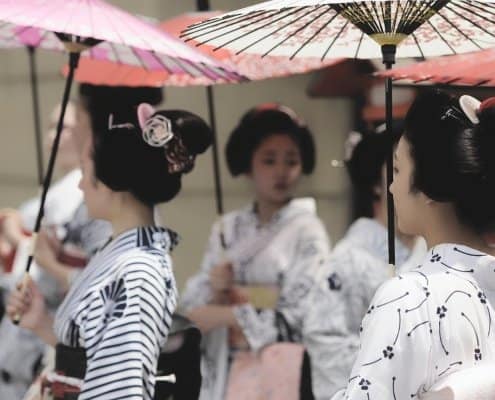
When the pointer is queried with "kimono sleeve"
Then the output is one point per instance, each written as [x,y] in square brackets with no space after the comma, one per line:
[198,291]
[123,338]
[396,344]
[263,327]
[331,346]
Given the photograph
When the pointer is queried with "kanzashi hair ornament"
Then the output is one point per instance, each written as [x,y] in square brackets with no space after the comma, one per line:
[157,132]
[487,103]
[471,107]
[179,159]
[111,125]
[353,139]
[457,114]
[157,129]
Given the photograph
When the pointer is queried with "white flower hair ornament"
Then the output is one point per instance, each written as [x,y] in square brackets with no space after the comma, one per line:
[157,132]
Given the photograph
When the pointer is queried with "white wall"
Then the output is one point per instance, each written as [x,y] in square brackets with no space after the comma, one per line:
[193,212]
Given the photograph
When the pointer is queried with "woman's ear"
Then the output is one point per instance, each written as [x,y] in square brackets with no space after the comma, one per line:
[426,199]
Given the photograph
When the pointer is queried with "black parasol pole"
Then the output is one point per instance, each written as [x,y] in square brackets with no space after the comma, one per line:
[36,112]
[203,5]
[388,52]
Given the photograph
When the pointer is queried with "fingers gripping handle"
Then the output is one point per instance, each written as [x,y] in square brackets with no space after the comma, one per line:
[25,278]
[24,283]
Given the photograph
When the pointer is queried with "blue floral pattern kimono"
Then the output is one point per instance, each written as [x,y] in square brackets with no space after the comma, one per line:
[425,324]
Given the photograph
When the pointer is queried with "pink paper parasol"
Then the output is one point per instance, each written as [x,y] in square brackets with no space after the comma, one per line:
[102,31]
[251,66]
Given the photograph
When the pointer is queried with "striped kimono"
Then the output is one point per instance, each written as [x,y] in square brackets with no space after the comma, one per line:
[119,309]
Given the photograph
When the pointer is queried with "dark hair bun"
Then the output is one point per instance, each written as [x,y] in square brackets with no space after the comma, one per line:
[125,162]
[193,131]
[452,157]
[258,124]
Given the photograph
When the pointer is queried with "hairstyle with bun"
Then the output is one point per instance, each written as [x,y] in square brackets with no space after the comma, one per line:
[260,123]
[453,156]
[124,161]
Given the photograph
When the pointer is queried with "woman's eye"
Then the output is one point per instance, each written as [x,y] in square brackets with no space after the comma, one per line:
[268,161]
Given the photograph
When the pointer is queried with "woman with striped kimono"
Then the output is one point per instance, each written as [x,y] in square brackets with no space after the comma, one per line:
[115,319]
[271,247]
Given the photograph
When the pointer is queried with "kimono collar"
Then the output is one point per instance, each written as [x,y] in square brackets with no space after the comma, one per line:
[297,206]
[462,261]
[146,236]
[372,236]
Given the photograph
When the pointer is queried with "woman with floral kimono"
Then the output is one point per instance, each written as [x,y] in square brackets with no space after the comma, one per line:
[436,319]
[277,242]
[115,319]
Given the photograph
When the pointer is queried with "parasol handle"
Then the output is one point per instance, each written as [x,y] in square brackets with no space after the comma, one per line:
[388,52]
[24,282]
[25,278]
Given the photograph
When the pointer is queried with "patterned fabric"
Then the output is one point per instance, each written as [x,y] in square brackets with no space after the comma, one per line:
[346,285]
[286,252]
[120,310]
[426,324]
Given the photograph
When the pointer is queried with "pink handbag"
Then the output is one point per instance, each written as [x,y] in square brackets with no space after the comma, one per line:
[274,373]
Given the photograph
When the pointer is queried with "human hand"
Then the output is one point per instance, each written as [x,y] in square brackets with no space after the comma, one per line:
[26,305]
[222,276]
[11,231]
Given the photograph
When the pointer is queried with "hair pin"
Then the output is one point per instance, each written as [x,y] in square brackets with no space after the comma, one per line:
[111,125]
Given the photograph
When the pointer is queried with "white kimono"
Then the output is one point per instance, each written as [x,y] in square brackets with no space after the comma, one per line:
[426,324]
[62,200]
[119,309]
[286,252]
[346,285]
